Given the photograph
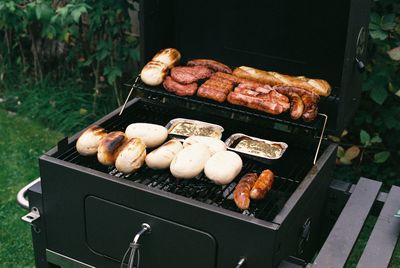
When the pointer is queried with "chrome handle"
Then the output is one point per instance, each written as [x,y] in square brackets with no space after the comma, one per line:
[241,263]
[134,247]
[21,196]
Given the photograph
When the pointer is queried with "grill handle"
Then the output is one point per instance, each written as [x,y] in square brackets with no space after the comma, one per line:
[21,196]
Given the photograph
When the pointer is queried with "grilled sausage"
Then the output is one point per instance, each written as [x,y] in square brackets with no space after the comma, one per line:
[255,102]
[310,108]
[131,156]
[212,64]
[190,74]
[296,106]
[262,185]
[211,94]
[89,140]
[241,194]
[109,147]
[179,89]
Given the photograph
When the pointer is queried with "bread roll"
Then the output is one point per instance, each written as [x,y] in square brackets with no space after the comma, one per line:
[152,135]
[109,147]
[317,86]
[214,145]
[131,156]
[153,73]
[89,140]
[168,56]
[223,167]
[190,162]
[161,157]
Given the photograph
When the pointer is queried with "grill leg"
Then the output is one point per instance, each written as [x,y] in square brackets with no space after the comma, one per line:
[38,230]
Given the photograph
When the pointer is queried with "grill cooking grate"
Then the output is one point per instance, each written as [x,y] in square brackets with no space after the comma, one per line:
[288,173]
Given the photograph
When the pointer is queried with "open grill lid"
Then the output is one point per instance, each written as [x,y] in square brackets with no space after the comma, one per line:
[307,38]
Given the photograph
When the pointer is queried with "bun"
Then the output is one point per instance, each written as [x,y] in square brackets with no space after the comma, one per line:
[214,145]
[162,157]
[168,56]
[131,156]
[153,73]
[317,86]
[152,135]
[190,162]
[223,167]
[109,147]
[89,140]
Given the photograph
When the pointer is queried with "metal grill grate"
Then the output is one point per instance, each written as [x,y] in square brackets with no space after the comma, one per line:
[288,173]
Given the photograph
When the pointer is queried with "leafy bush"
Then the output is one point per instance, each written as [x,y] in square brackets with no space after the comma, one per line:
[371,145]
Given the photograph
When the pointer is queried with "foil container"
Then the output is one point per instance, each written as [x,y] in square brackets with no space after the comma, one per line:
[182,127]
[253,146]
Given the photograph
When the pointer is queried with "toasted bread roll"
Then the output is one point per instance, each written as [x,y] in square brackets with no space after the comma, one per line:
[131,156]
[89,140]
[223,167]
[153,73]
[317,86]
[161,157]
[190,162]
[168,56]
[109,147]
[152,134]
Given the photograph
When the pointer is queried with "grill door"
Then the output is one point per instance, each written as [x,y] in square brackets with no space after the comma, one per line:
[168,245]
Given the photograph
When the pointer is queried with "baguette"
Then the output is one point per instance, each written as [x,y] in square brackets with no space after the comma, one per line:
[317,86]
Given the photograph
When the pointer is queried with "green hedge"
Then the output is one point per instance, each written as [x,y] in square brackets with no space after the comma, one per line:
[91,44]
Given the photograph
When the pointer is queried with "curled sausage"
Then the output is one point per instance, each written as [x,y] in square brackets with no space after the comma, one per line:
[241,194]
[296,107]
[262,185]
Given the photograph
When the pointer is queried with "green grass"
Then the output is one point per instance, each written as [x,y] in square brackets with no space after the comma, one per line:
[21,142]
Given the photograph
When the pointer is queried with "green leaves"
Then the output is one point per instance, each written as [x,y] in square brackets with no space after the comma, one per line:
[112,72]
[378,95]
[365,138]
[394,53]
[381,157]
[379,26]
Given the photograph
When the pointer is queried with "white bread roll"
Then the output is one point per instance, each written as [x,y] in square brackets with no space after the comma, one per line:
[190,162]
[152,135]
[161,157]
[168,56]
[214,145]
[131,156]
[223,167]
[89,140]
[109,147]
[153,73]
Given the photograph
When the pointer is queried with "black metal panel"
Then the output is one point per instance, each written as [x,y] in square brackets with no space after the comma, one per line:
[294,37]
[167,243]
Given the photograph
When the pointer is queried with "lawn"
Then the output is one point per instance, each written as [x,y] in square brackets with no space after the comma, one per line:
[21,142]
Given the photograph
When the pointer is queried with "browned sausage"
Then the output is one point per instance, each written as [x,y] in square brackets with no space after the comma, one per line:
[296,107]
[212,64]
[262,185]
[241,194]
[310,108]
[210,93]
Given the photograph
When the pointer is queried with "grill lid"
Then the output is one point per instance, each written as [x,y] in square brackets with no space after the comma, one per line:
[293,37]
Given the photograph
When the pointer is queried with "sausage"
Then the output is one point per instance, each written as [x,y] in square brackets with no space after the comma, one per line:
[109,147]
[190,74]
[212,64]
[262,185]
[89,140]
[296,106]
[258,103]
[241,194]
[179,89]
[310,108]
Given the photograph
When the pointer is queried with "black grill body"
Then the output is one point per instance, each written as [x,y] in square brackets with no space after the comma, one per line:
[92,212]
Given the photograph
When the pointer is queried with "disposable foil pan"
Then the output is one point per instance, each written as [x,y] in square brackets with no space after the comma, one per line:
[187,127]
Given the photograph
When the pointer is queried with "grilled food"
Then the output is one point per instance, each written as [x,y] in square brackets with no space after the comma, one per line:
[262,185]
[190,161]
[131,156]
[110,146]
[179,89]
[317,86]
[168,56]
[212,64]
[152,135]
[190,74]
[223,167]
[153,73]
[89,140]
[161,157]
[241,194]
[214,145]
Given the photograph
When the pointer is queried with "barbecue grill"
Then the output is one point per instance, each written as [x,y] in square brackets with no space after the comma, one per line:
[90,213]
